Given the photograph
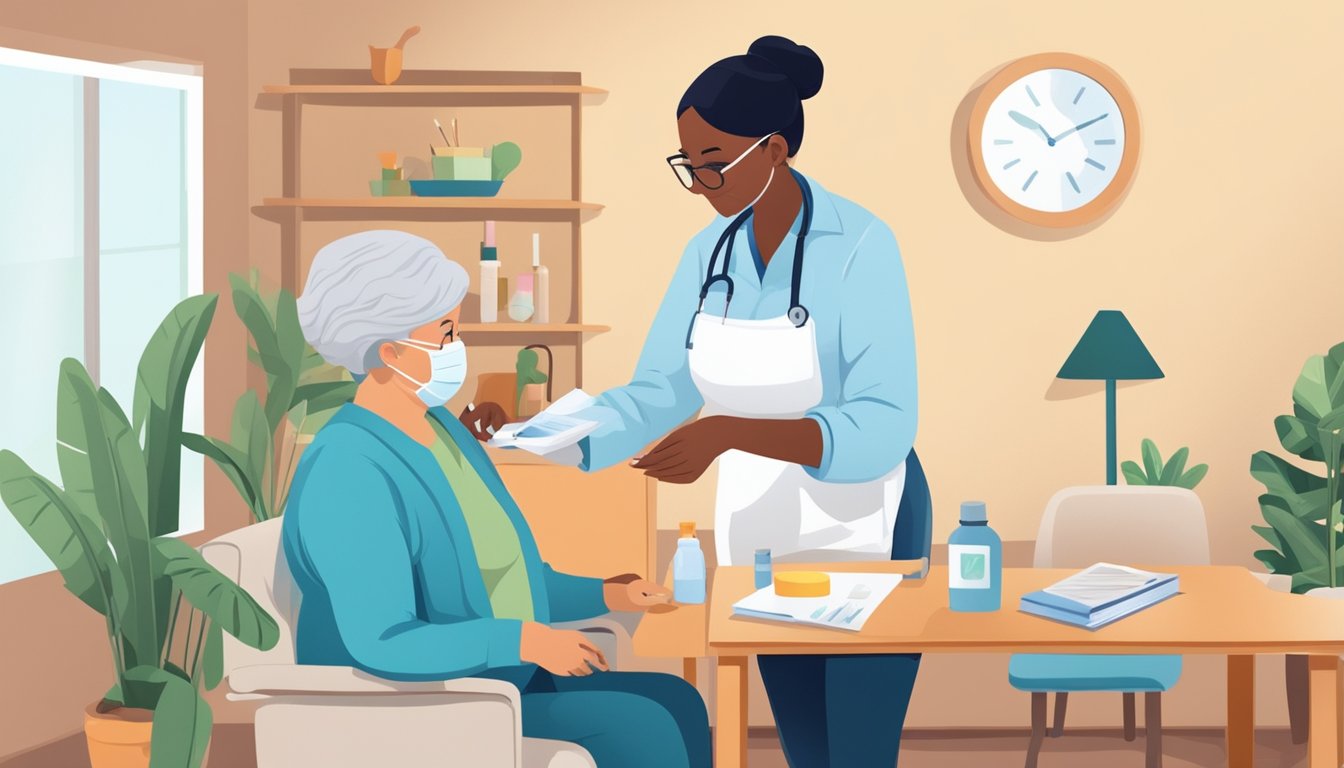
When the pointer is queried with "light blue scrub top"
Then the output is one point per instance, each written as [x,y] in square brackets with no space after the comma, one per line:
[853,285]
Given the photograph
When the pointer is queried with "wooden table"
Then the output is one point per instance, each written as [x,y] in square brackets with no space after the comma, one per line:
[1221,610]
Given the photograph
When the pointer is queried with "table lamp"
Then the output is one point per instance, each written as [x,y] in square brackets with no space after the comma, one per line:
[1110,351]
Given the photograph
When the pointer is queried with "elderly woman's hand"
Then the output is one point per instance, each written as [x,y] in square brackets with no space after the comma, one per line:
[484,421]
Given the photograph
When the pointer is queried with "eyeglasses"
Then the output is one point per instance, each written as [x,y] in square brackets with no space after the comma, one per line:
[710,175]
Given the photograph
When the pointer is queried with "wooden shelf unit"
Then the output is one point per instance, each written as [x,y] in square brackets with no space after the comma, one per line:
[354,88]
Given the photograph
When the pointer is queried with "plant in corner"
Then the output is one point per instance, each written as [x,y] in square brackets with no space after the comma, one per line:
[1155,472]
[302,391]
[1302,508]
[108,528]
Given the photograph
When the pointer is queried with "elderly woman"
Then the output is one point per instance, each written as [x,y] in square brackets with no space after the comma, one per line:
[413,560]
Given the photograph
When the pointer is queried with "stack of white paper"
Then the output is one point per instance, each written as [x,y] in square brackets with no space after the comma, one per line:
[550,430]
[853,598]
[1100,594]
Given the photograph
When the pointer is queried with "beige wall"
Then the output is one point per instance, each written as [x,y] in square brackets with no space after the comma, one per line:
[1221,256]
[53,655]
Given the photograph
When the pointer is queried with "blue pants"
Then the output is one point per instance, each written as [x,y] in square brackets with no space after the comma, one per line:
[840,710]
[623,719]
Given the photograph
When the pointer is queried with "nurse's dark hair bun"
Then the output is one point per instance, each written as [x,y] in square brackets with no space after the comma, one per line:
[759,92]
[800,64]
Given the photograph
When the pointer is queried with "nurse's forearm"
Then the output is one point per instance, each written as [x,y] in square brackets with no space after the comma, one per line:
[797,441]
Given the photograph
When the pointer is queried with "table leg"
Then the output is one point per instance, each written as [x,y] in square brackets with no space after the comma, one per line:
[688,669]
[1240,711]
[1323,727]
[730,717]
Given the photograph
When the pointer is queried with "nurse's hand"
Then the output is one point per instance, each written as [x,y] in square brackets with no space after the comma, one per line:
[562,652]
[631,593]
[684,455]
[483,420]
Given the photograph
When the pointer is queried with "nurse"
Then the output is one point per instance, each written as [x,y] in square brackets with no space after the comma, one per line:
[787,328]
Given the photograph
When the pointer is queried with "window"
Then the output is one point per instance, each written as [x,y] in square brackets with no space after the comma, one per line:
[100,235]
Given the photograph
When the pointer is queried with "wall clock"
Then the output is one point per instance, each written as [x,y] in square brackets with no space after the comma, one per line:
[1054,139]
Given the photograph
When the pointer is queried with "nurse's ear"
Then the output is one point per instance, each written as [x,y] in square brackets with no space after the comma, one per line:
[778,149]
[389,353]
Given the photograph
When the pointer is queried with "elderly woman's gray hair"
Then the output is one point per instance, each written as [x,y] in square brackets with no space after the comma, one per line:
[373,287]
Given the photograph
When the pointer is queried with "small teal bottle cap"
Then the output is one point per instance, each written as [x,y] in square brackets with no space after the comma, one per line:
[489,253]
[973,512]
[762,554]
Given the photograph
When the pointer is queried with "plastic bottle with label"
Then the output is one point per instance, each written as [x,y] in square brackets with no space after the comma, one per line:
[688,568]
[974,562]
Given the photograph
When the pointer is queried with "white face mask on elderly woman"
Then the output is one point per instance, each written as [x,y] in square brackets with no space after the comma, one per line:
[447,371]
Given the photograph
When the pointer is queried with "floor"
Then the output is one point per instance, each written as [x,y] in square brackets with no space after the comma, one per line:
[233,748]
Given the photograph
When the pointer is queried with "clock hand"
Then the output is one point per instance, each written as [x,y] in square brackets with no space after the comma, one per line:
[1081,126]
[1027,122]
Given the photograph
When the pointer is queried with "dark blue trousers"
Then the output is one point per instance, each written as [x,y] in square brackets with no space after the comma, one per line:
[841,711]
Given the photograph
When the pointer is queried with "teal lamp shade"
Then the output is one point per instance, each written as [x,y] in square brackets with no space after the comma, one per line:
[1110,351]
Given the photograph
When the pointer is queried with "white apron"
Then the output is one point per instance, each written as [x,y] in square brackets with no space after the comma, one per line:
[768,369]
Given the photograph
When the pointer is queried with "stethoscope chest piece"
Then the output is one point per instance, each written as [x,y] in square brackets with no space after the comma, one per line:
[798,315]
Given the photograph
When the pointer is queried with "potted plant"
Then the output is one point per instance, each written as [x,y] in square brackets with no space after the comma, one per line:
[1156,472]
[107,529]
[302,392]
[1303,508]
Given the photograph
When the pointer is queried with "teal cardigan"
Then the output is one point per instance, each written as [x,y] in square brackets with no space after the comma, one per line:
[381,553]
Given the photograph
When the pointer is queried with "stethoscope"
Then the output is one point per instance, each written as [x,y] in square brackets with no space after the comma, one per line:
[798,314]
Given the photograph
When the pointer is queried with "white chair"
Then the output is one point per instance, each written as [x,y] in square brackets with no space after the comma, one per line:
[341,717]
[1123,524]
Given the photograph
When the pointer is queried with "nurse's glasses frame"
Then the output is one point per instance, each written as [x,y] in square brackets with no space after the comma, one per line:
[710,175]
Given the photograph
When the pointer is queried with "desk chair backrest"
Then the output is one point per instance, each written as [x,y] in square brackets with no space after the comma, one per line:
[912,537]
[1122,524]
[255,560]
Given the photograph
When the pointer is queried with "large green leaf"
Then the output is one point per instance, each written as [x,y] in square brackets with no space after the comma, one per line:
[213,660]
[282,367]
[182,720]
[1311,391]
[325,395]
[1191,479]
[1304,492]
[1152,461]
[289,339]
[1297,437]
[114,466]
[1133,475]
[212,593]
[73,542]
[253,438]
[1306,545]
[1175,467]
[232,462]
[161,387]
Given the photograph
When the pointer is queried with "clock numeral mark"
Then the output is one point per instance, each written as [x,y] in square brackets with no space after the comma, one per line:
[1104,141]
[1095,164]
[1080,94]
[1003,141]
[1012,162]
[1033,96]
[1030,179]
[1073,183]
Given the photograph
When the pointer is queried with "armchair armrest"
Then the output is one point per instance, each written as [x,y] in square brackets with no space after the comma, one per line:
[341,717]
[620,626]
[312,679]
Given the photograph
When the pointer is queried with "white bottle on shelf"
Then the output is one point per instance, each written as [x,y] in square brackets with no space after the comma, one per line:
[489,284]
[541,289]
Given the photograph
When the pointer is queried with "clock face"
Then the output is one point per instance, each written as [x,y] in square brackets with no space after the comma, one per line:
[1053,140]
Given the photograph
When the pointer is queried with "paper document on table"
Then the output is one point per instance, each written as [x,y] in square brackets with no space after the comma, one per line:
[1102,584]
[550,430]
[853,598]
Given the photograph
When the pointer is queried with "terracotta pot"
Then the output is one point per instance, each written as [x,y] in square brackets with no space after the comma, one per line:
[385,64]
[118,739]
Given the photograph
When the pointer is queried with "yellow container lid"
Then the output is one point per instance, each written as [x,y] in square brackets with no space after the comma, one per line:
[687,528]
[802,584]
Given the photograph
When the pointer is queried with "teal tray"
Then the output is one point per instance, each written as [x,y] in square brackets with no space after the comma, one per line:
[454,188]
